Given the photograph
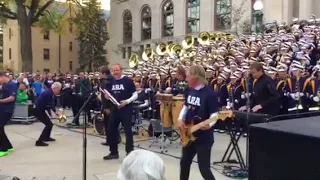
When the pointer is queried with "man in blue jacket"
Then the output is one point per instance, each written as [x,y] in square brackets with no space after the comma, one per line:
[7,103]
[44,105]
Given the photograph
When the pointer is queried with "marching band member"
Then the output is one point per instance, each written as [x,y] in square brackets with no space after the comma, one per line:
[145,79]
[295,88]
[222,94]
[7,104]
[314,88]
[43,106]
[233,92]
[181,85]
[200,102]
[123,90]
[281,88]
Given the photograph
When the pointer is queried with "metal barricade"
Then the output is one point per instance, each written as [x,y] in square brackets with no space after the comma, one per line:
[22,113]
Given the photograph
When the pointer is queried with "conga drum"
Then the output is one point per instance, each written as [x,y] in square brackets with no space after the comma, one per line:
[165,109]
[178,102]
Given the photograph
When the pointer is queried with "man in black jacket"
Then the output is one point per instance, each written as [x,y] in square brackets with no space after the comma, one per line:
[82,92]
[265,98]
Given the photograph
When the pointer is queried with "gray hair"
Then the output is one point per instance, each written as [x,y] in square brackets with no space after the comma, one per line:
[142,165]
[56,85]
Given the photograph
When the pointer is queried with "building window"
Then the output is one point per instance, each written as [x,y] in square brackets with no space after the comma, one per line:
[193,16]
[169,42]
[46,70]
[46,54]
[70,65]
[167,21]
[129,52]
[146,23]
[123,53]
[223,14]
[70,46]
[70,25]
[141,48]
[127,27]
[148,45]
[10,53]
[46,35]
[10,34]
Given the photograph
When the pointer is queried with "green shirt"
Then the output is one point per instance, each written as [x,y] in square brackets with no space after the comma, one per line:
[22,96]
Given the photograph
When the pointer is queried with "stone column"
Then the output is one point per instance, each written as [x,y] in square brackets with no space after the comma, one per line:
[305,9]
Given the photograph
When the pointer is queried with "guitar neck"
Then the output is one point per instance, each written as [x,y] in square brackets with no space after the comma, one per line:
[203,123]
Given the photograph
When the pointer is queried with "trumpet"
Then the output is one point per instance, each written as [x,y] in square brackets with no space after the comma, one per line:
[62,118]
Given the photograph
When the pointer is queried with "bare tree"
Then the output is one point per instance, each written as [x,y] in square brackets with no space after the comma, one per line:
[238,13]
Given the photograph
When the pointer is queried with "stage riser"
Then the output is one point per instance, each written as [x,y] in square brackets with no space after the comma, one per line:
[275,155]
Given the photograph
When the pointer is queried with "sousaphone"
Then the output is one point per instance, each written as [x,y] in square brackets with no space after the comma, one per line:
[133,60]
[188,42]
[148,54]
[204,38]
[162,49]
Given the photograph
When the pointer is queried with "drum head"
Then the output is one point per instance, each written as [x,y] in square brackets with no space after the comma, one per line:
[99,124]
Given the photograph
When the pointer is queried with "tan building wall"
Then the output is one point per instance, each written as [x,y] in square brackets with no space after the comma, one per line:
[60,55]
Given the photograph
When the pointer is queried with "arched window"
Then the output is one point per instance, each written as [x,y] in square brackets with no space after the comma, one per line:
[167,22]
[223,14]
[146,23]
[193,16]
[127,27]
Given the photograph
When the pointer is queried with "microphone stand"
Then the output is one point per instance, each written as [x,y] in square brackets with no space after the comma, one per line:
[247,121]
[84,136]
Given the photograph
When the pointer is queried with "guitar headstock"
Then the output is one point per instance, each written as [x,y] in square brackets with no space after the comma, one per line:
[225,114]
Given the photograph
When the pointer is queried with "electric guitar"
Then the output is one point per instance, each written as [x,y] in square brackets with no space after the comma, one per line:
[186,132]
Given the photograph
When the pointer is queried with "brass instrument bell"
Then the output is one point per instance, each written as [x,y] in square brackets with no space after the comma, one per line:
[133,60]
[176,50]
[148,54]
[213,36]
[62,118]
[204,38]
[162,49]
[188,42]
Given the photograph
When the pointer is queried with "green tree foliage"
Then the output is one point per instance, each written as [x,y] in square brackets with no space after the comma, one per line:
[30,13]
[92,35]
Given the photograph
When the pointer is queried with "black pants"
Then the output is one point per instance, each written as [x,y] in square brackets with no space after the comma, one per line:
[115,118]
[78,102]
[204,156]
[4,141]
[43,117]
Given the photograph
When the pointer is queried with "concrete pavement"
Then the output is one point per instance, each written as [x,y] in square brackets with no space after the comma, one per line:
[63,158]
